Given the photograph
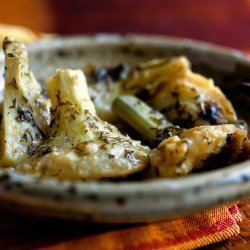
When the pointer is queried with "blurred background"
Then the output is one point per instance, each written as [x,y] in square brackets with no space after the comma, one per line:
[225,22]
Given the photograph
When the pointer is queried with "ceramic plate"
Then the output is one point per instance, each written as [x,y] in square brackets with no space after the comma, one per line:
[133,201]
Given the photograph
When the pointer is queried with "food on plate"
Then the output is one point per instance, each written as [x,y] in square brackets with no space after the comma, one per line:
[183,121]
[25,117]
[181,151]
[204,146]
[150,123]
[79,145]
[184,97]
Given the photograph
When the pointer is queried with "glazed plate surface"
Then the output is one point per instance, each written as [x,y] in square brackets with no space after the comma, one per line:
[132,201]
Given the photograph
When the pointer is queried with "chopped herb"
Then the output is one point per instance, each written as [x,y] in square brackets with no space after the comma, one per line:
[14,83]
[27,135]
[24,115]
[14,105]
[10,55]
[128,153]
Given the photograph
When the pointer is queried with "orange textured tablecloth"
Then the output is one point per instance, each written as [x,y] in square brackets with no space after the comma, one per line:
[186,232]
[21,232]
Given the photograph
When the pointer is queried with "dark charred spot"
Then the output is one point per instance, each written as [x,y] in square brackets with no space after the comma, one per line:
[211,112]
[119,72]
[110,74]
[230,138]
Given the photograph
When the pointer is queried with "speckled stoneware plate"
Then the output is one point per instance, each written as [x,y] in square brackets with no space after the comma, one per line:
[139,201]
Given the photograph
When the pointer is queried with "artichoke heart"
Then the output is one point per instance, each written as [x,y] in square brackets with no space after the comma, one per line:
[186,98]
[170,86]
[25,117]
[200,147]
[79,144]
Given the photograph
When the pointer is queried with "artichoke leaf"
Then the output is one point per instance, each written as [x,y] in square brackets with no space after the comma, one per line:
[79,144]
[25,114]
